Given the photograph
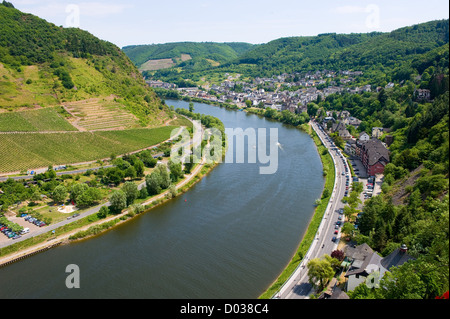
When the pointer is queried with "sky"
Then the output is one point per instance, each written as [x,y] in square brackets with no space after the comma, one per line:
[135,22]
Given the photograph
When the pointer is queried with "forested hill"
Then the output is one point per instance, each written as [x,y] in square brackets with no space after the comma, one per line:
[375,53]
[348,51]
[42,64]
[187,55]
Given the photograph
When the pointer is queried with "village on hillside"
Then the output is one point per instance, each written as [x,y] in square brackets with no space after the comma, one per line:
[293,92]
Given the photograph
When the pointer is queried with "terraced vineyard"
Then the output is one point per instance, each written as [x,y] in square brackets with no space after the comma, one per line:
[23,151]
[100,114]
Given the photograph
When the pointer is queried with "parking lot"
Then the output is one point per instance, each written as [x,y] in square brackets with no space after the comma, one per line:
[358,167]
[22,222]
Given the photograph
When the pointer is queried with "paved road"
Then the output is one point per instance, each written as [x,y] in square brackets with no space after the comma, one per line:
[298,286]
[95,209]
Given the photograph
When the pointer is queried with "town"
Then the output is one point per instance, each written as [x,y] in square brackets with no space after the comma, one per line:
[293,92]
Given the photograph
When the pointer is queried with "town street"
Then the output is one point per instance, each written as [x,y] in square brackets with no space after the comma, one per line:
[298,286]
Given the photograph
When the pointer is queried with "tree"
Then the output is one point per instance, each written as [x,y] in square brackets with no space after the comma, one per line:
[348,229]
[189,165]
[59,193]
[153,182]
[175,170]
[338,254]
[312,109]
[172,191]
[139,168]
[131,192]
[130,172]
[103,212]
[320,271]
[77,190]
[90,196]
[118,201]
[165,176]
[191,107]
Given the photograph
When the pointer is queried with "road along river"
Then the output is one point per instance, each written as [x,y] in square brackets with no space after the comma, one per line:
[229,236]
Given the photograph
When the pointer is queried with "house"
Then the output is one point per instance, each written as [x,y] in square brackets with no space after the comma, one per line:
[364,137]
[422,94]
[350,147]
[353,121]
[377,132]
[341,130]
[363,261]
[374,156]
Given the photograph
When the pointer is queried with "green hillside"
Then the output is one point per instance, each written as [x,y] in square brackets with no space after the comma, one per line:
[377,54]
[68,97]
[187,55]
[43,65]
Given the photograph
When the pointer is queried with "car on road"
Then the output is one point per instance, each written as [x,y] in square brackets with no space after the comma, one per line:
[336,232]
[334,239]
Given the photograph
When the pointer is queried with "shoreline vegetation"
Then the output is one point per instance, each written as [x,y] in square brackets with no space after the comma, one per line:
[95,224]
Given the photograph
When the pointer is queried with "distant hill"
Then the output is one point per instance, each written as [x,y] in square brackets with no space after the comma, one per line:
[42,65]
[186,55]
[375,53]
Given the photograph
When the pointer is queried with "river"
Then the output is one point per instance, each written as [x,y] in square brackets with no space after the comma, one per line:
[229,236]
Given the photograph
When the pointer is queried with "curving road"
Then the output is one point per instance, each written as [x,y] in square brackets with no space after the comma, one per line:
[298,286]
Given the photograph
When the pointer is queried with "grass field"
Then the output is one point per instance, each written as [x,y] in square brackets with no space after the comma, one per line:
[23,151]
[46,119]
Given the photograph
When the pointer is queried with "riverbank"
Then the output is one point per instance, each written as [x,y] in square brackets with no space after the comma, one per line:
[87,227]
[314,224]
[96,228]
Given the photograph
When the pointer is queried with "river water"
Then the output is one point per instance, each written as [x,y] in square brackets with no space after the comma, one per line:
[229,236]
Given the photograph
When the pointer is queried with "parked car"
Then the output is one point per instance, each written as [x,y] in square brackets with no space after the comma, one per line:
[334,239]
